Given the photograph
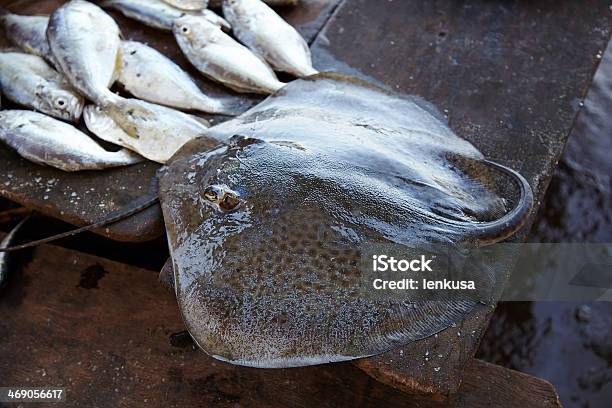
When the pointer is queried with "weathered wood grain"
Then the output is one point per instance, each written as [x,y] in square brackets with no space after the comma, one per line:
[509,75]
[113,336]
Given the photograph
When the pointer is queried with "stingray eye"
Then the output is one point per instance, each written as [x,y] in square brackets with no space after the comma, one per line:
[230,201]
[61,103]
[212,194]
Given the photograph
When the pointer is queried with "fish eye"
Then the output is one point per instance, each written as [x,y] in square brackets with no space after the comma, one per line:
[185,29]
[61,103]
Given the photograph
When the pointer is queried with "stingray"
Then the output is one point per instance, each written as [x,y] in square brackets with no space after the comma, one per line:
[267,230]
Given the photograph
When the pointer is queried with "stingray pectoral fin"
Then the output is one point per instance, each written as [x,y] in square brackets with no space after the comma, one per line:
[487,233]
[166,275]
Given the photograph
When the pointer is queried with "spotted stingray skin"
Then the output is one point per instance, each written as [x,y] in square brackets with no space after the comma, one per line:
[322,169]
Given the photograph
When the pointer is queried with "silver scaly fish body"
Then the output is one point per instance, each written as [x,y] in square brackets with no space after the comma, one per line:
[27,32]
[158,14]
[149,75]
[51,142]
[220,57]
[217,20]
[29,81]
[262,30]
[153,13]
[276,3]
[85,43]
[273,3]
[188,4]
[153,131]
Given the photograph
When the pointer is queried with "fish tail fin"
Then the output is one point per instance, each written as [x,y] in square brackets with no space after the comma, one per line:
[308,71]
[118,63]
[130,157]
[227,105]
[233,107]
[105,97]
[127,113]
[202,121]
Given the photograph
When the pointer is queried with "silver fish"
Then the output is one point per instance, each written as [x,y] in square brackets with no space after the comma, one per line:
[153,131]
[217,19]
[158,14]
[148,74]
[273,3]
[188,4]
[220,57]
[266,34]
[51,142]
[27,32]
[85,42]
[4,256]
[29,81]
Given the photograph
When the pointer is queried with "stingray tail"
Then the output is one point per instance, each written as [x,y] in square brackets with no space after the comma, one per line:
[131,209]
[6,242]
[488,233]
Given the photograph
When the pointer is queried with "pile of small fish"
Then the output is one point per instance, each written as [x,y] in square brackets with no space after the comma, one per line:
[66,63]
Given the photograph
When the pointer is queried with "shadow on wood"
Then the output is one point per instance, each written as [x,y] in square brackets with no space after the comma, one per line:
[112,335]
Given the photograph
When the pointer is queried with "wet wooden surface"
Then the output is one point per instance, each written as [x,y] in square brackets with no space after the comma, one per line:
[509,75]
[112,336]
[85,197]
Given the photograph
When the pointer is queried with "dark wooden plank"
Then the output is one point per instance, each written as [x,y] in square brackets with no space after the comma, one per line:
[111,334]
[309,16]
[83,198]
[487,385]
[432,366]
[509,75]
[80,198]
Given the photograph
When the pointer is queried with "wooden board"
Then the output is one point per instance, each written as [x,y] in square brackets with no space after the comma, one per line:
[509,75]
[489,385]
[85,197]
[112,336]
